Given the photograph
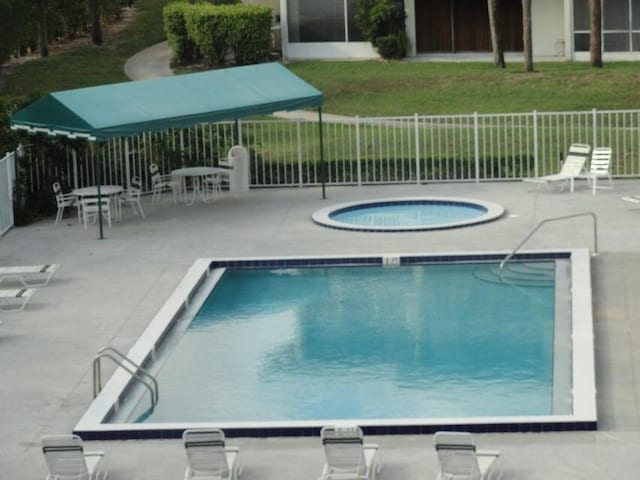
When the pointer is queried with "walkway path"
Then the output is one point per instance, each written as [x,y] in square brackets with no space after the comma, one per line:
[152,62]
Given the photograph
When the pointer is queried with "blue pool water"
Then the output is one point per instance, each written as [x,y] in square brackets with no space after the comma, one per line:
[362,343]
[409,214]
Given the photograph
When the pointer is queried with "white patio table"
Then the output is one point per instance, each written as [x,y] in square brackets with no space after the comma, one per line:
[111,191]
[197,173]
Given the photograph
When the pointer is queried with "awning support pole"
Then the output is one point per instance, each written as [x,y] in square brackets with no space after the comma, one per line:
[98,168]
[323,165]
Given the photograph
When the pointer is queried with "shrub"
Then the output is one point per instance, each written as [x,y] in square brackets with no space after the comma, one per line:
[244,30]
[382,23]
[251,34]
[184,49]
[208,27]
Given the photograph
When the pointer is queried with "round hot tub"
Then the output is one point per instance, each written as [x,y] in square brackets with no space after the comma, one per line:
[408,214]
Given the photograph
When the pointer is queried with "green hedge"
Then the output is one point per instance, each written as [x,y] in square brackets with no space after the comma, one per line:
[383,23]
[219,32]
[184,49]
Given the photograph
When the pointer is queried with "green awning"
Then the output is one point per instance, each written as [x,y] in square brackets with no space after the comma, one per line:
[129,108]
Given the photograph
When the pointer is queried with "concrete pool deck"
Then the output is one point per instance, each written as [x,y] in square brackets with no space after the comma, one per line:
[106,291]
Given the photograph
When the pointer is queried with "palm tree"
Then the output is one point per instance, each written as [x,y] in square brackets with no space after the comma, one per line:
[495,25]
[96,31]
[526,35]
[595,37]
[43,40]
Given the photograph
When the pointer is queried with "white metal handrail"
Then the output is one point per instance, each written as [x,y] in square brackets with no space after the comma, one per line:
[139,373]
[547,220]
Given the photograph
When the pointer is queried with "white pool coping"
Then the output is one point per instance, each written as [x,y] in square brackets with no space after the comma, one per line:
[582,369]
[323,216]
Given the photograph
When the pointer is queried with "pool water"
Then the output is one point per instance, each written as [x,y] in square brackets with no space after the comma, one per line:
[366,342]
[409,214]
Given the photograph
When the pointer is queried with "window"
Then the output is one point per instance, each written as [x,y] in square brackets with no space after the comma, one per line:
[322,21]
[620,25]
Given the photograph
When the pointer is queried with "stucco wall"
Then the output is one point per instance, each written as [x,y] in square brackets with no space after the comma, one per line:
[548,28]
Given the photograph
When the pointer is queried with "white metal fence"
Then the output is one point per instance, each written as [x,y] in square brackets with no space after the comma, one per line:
[7,176]
[359,151]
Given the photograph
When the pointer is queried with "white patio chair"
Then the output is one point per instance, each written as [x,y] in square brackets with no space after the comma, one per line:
[91,208]
[67,460]
[208,457]
[64,200]
[347,457]
[459,459]
[132,197]
[161,183]
[600,167]
[15,299]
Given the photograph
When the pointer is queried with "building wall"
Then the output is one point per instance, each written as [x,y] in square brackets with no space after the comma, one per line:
[548,29]
[274,4]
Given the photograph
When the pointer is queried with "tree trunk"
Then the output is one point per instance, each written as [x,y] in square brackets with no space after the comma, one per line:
[96,30]
[43,40]
[526,35]
[495,25]
[595,37]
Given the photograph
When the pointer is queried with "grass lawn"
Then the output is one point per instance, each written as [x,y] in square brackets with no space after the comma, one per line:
[405,88]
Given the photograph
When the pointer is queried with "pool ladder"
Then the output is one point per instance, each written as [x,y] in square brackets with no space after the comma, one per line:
[136,371]
[553,219]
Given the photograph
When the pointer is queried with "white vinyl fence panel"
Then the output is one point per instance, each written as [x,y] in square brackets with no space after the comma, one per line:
[360,151]
[7,176]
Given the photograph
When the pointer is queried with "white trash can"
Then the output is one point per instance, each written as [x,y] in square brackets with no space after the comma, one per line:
[238,159]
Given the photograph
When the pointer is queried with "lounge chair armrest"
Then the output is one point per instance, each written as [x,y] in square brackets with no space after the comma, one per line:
[488,453]
[94,453]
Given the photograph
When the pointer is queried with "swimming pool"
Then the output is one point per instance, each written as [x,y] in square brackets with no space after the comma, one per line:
[407,214]
[425,376]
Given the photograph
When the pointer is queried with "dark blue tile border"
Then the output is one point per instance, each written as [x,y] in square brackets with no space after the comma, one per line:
[542,427]
[378,260]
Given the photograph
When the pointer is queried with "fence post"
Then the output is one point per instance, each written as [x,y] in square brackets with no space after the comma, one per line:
[476,145]
[127,162]
[358,152]
[417,140]
[535,144]
[299,135]
[594,127]
[239,131]
[181,147]
[74,162]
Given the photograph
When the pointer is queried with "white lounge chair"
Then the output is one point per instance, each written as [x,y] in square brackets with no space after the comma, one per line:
[633,201]
[207,456]
[29,275]
[572,168]
[67,459]
[347,457]
[15,299]
[600,167]
[460,460]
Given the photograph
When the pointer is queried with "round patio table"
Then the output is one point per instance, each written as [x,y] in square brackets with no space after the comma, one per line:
[196,173]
